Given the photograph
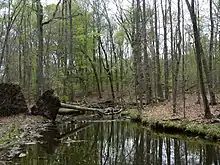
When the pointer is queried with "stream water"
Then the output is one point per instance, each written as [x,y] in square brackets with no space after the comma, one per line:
[114,143]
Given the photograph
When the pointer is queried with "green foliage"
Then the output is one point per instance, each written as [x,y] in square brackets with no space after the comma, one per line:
[64,98]
[119,37]
[132,113]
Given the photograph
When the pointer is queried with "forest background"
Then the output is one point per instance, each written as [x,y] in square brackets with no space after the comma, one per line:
[144,50]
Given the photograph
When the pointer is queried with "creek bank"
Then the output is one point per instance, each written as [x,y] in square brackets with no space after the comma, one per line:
[205,129]
[20,130]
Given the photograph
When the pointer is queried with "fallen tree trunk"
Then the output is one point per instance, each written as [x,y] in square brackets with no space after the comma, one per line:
[67,111]
[68,108]
[76,107]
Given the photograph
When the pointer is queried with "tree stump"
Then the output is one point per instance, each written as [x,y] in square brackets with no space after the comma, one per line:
[12,100]
[47,105]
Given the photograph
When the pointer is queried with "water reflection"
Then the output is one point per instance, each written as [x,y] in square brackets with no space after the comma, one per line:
[116,143]
[49,138]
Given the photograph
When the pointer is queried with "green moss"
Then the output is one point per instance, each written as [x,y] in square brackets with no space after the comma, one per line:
[207,131]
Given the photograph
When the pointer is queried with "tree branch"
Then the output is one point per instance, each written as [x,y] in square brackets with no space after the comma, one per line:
[54,14]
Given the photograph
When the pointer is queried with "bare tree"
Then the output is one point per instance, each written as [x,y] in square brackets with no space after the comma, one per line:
[71,50]
[183,63]
[138,57]
[165,50]
[147,70]
[199,53]
[40,47]
[212,95]
[157,54]
[113,47]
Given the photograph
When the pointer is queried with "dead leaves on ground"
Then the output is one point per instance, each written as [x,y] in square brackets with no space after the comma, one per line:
[194,112]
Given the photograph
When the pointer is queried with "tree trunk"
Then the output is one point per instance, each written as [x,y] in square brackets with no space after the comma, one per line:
[199,53]
[107,68]
[177,57]
[172,58]
[47,60]
[29,62]
[183,64]
[121,57]
[139,55]
[147,70]
[71,50]
[113,49]
[210,71]
[166,68]
[158,71]
[40,48]
[65,48]
[96,75]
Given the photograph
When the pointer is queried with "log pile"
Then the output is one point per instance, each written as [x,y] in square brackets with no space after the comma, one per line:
[47,105]
[12,100]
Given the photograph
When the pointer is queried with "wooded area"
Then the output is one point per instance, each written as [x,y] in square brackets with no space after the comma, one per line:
[145,50]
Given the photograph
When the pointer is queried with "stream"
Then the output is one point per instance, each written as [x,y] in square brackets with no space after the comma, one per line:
[114,143]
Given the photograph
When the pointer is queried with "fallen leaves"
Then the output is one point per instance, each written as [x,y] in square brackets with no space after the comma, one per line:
[194,112]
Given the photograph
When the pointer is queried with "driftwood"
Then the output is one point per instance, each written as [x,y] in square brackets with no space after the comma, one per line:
[68,108]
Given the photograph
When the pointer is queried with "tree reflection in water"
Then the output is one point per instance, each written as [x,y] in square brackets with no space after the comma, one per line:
[117,143]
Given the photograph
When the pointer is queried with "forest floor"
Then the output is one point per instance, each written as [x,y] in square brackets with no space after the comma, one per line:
[160,117]
[193,111]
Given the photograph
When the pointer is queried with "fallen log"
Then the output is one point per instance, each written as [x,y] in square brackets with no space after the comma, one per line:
[67,111]
[76,107]
[106,111]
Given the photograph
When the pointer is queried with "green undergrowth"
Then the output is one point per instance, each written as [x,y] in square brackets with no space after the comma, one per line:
[10,135]
[132,113]
[192,128]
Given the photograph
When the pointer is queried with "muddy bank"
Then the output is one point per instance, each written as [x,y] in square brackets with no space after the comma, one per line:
[17,131]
